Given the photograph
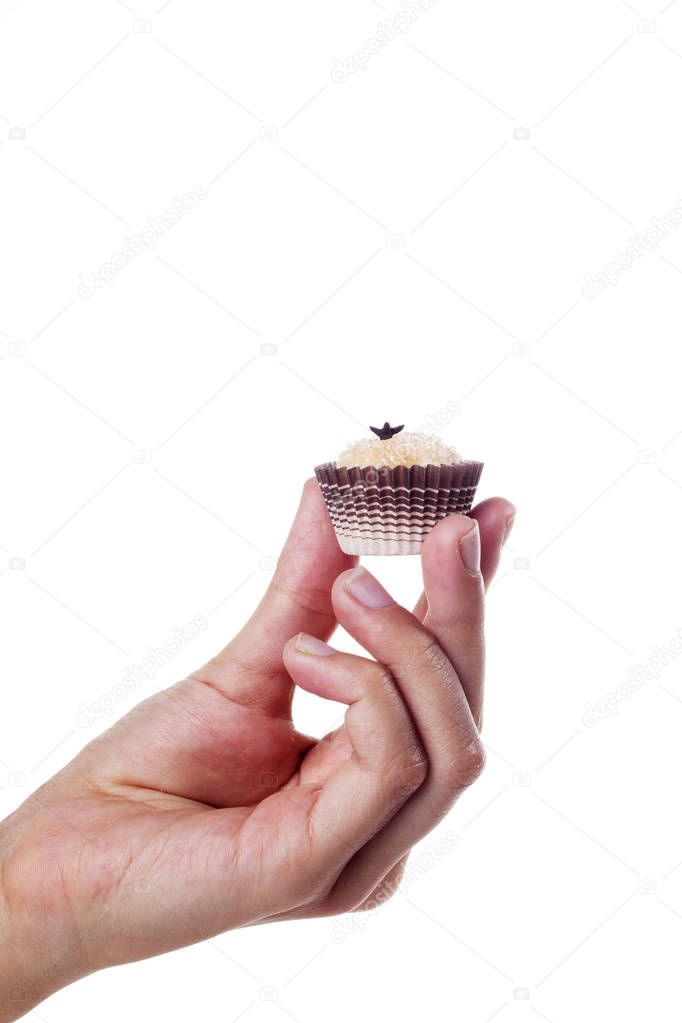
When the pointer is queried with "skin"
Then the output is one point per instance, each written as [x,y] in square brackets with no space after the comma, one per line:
[204,809]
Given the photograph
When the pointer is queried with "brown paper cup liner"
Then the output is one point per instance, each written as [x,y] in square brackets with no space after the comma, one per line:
[391,511]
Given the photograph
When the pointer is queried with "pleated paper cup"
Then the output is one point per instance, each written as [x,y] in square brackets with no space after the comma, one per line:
[391,510]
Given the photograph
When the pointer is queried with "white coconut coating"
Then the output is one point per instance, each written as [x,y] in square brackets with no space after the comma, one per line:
[404,449]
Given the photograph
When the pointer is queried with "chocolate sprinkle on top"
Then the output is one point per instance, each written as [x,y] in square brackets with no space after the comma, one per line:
[386,431]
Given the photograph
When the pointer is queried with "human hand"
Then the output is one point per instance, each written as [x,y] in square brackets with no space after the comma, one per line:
[204,809]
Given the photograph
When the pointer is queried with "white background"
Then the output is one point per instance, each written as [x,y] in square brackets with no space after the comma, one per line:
[407,255]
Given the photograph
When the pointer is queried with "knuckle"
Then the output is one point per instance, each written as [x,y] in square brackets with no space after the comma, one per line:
[467,765]
[408,773]
[417,762]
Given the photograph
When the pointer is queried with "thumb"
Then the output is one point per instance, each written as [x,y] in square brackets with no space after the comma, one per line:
[298,599]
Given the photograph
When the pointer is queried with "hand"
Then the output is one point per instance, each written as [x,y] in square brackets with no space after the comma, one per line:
[204,809]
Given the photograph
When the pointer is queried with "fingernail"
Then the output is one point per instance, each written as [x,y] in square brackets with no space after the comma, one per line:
[367,590]
[306,644]
[470,550]
[508,527]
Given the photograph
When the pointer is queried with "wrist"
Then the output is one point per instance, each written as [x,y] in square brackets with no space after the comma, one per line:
[30,969]
[18,992]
